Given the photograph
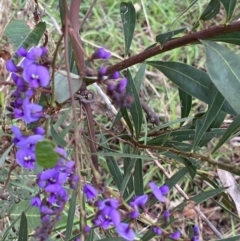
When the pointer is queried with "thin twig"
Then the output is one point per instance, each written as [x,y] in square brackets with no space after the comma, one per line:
[87,14]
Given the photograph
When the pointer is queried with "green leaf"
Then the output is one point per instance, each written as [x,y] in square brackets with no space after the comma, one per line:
[125,116]
[16,31]
[213,111]
[127,176]
[211,10]
[112,239]
[23,231]
[148,235]
[61,90]
[207,194]
[235,125]
[128,17]
[5,155]
[46,155]
[229,6]
[234,238]
[139,77]
[192,169]
[71,214]
[57,138]
[223,69]
[191,80]
[138,178]
[90,236]
[112,165]
[136,108]
[186,103]
[171,182]
[232,38]
[163,38]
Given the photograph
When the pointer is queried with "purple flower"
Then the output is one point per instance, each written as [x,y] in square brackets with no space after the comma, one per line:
[11,67]
[139,201]
[157,192]
[22,52]
[134,214]
[176,235]
[114,75]
[121,86]
[195,238]
[35,53]
[164,189]
[157,231]
[125,231]
[87,229]
[32,112]
[26,158]
[36,75]
[102,72]
[90,192]
[36,201]
[166,215]
[101,53]
[196,230]
[39,131]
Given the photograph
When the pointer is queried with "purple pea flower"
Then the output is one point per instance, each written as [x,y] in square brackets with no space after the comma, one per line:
[26,158]
[195,238]
[176,235]
[35,53]
[101,53]
[22,52]
[157,192]
[11,67]
[157,231]
[114,75]
[125,231]
[134,214]
[90,192]
[139,201]
[36,75]
[121,86]
[164,189]
[196,230]
[36,201]
[166,215]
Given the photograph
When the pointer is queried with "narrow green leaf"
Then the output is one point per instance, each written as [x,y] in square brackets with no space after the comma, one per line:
[206,195]
[148,235]
[71,214]
[211,10]
[112,165]
[46,155]
[232,38]
[57,138]
[229,6]
[163,38]
[235,125]
[172,181]
[213,110]
[223,69]
[139,77]
[62,117]
[5,155]
[127,176]
[136,108]
[191,80]
[192,169]
[234,238]
[130,185]
[90,236]
[186,103]
[138,178]
[112,239]
[128,17]
[125,116]
[23,231]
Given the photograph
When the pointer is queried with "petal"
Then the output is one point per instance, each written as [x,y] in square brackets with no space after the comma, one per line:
[43,75]
[164,189]
[125,231]
[157,192]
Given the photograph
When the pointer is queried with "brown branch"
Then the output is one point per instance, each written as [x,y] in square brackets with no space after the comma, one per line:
[175,43]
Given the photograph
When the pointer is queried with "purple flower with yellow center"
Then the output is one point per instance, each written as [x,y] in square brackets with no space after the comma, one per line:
[175,236]
[125,231]
[101,53]
[90,192]
[36,76]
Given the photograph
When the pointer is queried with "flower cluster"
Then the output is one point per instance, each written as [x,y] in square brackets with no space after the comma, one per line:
[116,86]
[29,76]
[110,212]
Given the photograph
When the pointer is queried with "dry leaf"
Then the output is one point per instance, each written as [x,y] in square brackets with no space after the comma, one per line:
[228,181]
